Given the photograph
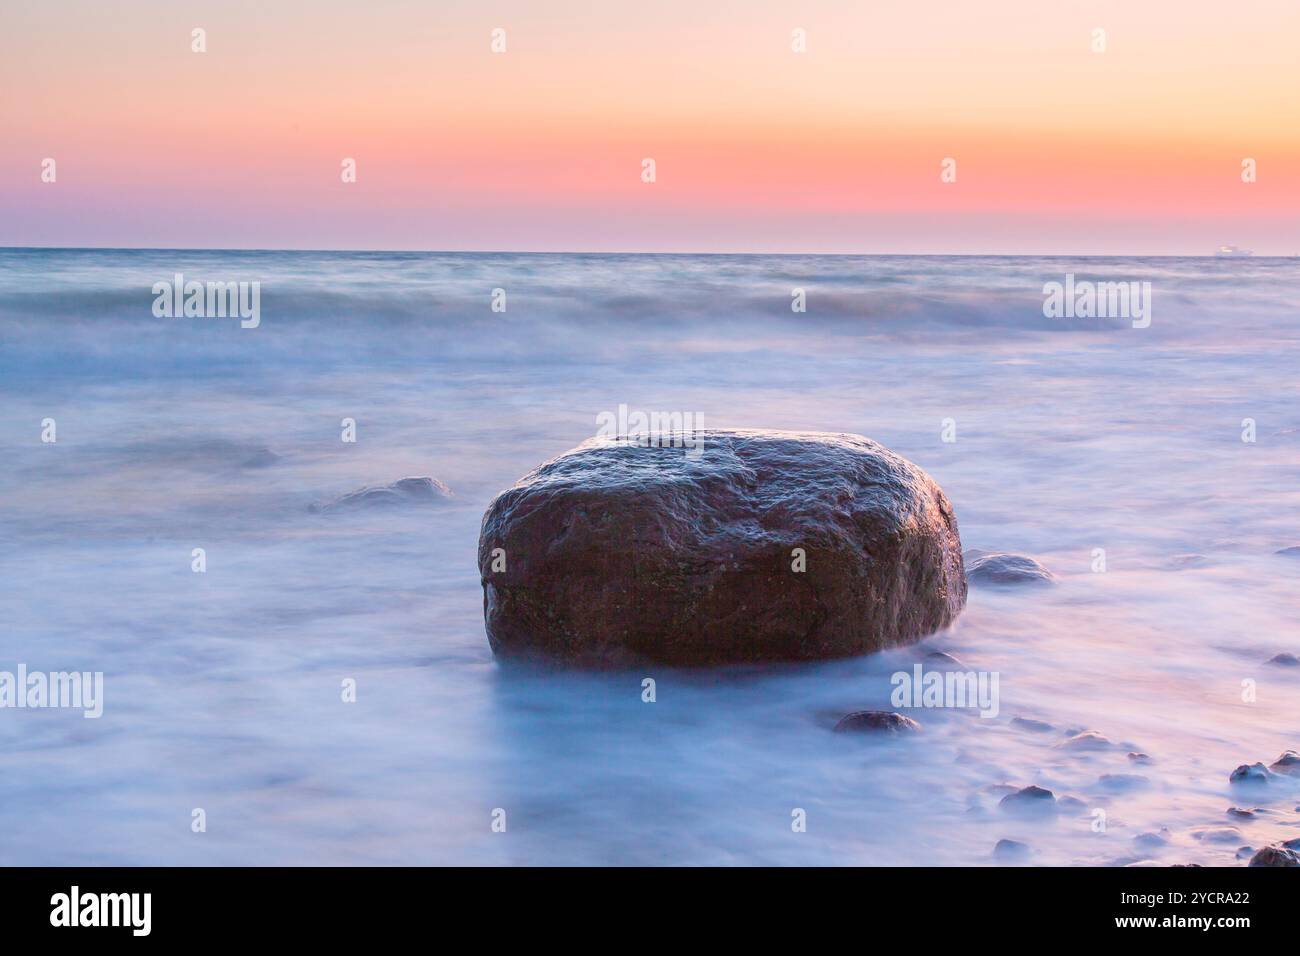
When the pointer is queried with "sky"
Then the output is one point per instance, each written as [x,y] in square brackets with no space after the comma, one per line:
[757,148]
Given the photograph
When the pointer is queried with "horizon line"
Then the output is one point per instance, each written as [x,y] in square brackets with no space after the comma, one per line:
[582,252]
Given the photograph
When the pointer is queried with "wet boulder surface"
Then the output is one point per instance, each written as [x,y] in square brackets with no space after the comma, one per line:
[743,546]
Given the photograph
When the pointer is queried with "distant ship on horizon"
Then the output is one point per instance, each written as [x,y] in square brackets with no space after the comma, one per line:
[1232,252]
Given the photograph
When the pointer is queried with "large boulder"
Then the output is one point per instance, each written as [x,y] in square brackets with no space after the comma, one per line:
[619,551]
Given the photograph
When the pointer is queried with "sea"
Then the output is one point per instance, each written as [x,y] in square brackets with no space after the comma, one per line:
[292,678]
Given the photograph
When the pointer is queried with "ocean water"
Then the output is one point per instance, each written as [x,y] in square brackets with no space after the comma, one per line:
[222,689]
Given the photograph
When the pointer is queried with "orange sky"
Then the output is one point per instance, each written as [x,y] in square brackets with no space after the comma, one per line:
[757,148]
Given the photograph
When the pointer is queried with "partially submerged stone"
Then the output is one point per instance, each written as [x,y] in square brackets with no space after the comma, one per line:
[1032,724]
[1000,568]
[1030,799]
[1152,840]
[1212,834]
[1087,740]
[1288,763]
[1275,856]
[867,721]
[941,659]
[403,492]
[1006,849]
[741,546]
[1255,773]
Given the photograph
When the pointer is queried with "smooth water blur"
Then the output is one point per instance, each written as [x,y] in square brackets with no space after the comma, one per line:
[223,689]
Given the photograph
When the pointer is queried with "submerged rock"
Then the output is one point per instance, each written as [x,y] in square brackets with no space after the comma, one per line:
[1288,763]
[1292,552]
[260,458]
[404,491]
[1217,834]
[1250,773]
[1152,840]
[745,546]
[996,567]
[1031,799]
[1088,740]
[939,659]
[866,721]
[1285,660]
[1011,850]
[1031,724]
[1275,856]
